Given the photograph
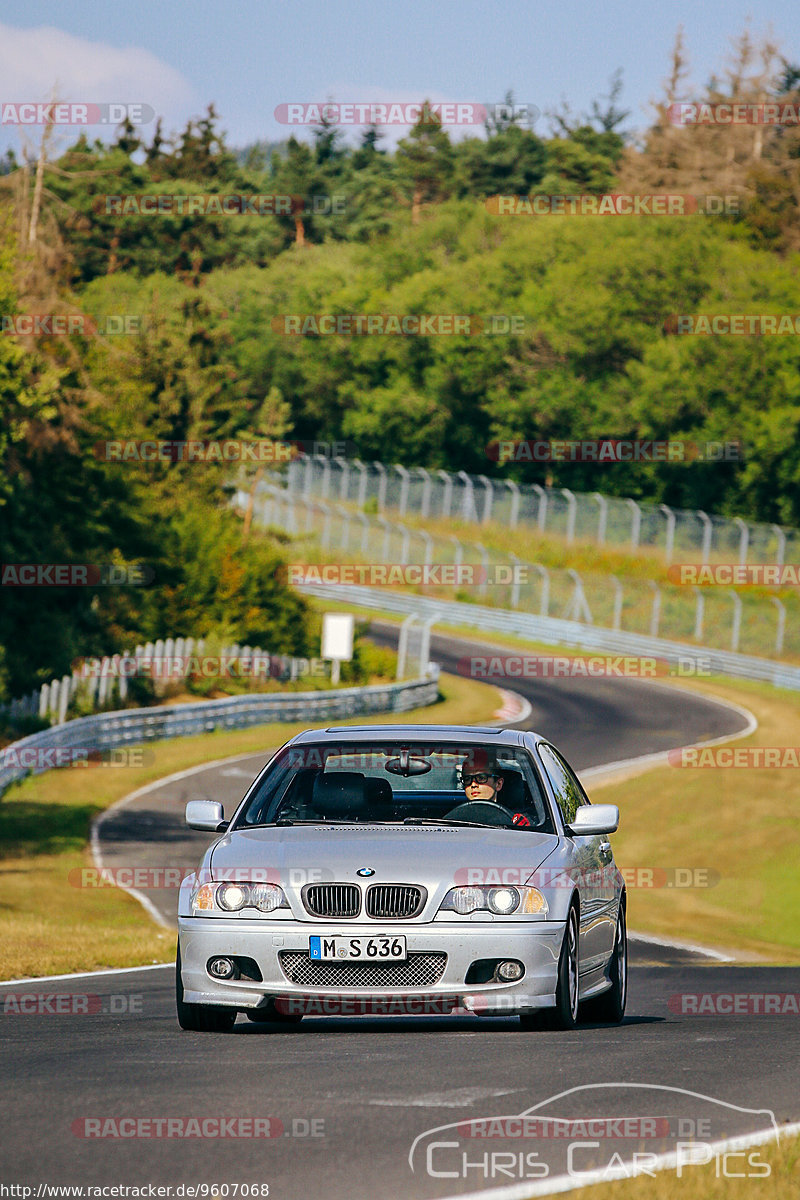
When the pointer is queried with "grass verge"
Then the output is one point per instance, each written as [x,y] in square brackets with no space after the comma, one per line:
[50,927]
[700,1182]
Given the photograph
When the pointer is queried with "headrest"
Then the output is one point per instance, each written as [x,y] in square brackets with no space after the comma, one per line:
[381,798]
[340,794]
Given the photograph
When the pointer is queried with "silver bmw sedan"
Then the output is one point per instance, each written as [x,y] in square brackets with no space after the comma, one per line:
[405,869]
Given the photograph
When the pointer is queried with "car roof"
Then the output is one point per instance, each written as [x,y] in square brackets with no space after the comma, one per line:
[416,733]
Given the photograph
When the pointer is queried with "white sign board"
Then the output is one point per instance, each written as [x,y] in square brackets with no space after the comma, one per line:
[337,636]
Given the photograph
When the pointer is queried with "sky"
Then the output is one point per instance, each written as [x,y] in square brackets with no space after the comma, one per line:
[251,56]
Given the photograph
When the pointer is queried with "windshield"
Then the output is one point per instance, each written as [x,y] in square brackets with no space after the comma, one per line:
[369,784]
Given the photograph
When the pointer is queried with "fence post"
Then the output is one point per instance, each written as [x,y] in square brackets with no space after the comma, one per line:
[63,698]
[514,518]
[362,481]
[459,551]
[468,498]
[544,596]
[487,500]
[326,528]
[365,523]
[655,613]
[515,565]
[425,643]
[736,625]
[428,540]
[387,533]
[405,478]
[578,604]
[636,522]
[781,624]
[669,539]
[484,553]
[402,644]
[618,600]
[404,545]
[425,502]
[602,518]
[707,530]
[448,491]
[344,514]
[781,548]
[381,469]
[699,613]
[744,539]
[344,467]
[541,516]
[571,514]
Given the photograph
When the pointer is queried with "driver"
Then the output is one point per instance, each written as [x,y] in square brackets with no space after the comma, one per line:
[481,780]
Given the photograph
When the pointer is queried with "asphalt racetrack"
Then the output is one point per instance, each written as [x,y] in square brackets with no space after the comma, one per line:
[401,1107]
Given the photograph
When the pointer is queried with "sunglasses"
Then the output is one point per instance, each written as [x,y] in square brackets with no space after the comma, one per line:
[481,777]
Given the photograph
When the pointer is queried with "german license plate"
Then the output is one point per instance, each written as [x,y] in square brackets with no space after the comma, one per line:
[357,949]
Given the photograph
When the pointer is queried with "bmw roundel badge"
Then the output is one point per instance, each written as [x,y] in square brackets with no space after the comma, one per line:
[365,872]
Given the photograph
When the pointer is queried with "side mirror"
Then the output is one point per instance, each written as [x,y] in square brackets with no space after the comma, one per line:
[207,815]
[594,818]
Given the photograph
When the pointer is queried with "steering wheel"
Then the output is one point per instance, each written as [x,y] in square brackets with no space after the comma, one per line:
[488,812]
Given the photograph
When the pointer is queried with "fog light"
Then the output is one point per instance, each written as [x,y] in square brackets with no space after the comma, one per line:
[509,971]
[222,968]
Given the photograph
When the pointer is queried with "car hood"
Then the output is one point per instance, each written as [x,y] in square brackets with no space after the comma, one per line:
[429,855]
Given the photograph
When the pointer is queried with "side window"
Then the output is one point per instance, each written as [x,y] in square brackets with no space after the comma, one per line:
[568,792]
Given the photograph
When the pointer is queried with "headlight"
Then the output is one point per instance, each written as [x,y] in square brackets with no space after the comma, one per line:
[502,901]
[233,897]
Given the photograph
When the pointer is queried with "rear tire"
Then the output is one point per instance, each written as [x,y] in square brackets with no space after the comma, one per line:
[610,1007]
[565,1013]
[200,1018]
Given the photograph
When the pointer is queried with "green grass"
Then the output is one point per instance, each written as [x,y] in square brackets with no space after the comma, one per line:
[702,1182]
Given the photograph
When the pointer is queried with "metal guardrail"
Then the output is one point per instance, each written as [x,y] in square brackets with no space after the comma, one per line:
[132,727]
[555,631]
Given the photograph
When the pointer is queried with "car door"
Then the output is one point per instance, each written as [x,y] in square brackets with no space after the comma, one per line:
[592,856]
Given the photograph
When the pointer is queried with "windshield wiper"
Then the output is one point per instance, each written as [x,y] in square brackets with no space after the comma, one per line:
[445,821]
[308,821]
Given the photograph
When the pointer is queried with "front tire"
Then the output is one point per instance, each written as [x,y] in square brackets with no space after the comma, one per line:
[610,1007]
[200,1018]
[565,1013]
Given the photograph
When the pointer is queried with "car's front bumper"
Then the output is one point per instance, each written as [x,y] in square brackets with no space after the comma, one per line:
[535,944]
